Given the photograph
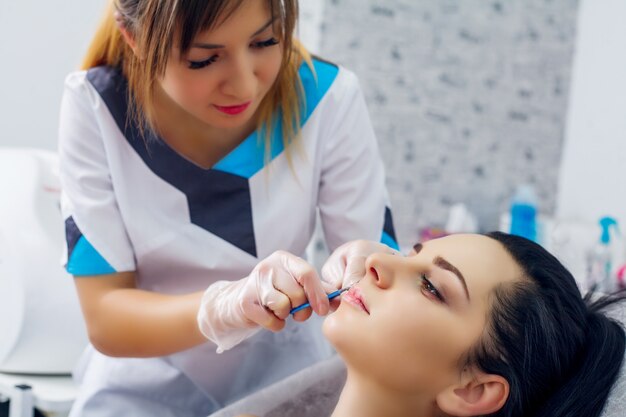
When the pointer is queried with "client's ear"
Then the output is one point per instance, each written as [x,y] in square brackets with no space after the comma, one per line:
[476,395]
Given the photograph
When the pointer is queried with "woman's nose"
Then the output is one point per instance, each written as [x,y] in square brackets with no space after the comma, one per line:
[380,268]
[240,81]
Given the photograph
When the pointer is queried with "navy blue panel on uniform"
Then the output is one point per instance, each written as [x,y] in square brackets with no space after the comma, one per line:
[72,234]
[222,206]
[389,233]
[388,226]
[219,202]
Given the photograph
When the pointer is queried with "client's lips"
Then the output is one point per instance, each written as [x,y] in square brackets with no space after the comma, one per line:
[355,298]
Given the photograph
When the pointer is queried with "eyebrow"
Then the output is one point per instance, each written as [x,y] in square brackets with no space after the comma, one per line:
[443,264]
[417,248]
[216,46]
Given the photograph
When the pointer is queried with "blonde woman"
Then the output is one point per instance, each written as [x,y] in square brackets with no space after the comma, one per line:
[196,146]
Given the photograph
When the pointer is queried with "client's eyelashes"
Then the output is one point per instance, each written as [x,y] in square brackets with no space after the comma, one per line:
[430,289]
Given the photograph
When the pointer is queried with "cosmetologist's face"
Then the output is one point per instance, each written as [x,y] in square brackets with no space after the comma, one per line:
[228,71]
[410,321]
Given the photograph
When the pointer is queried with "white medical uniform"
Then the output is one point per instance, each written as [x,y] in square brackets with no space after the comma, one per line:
[135,205]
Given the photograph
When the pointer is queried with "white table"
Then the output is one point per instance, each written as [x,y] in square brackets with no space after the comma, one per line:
[50,394]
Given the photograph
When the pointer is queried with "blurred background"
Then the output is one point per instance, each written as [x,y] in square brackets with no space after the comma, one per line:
[482,109]
[469,99]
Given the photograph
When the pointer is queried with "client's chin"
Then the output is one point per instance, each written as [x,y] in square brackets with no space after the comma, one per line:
[342,329]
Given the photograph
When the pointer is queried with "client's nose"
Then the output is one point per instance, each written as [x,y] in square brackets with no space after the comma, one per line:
[379,267]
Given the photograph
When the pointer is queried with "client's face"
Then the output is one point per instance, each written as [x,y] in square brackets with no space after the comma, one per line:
[409,322]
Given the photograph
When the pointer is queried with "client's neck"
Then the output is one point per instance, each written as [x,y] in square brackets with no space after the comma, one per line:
[363,397]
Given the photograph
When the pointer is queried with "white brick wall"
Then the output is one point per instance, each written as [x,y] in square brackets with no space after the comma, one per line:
[468,98]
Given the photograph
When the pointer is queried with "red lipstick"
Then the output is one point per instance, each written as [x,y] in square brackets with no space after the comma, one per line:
[233,110]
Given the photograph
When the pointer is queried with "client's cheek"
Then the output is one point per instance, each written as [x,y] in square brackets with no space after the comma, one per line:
[329,327]
[336,331]
[352,344]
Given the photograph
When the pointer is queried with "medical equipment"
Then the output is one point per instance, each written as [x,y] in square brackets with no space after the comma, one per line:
[332,295]
[41,325]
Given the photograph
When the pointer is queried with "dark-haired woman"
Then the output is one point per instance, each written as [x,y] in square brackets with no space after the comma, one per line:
[473,325]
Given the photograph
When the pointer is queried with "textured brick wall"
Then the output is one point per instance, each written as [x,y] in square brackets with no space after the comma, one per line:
[468,98]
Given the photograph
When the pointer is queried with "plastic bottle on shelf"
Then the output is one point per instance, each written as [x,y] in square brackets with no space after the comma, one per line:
[600,259]
[524,213]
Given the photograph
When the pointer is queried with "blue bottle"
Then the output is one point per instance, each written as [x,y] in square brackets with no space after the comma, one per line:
[524,213]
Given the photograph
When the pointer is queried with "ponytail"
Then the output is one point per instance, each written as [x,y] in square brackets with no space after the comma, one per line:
[595,370]
[107,46]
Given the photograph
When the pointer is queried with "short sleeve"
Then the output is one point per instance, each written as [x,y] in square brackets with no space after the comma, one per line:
[353,200]
[97,241]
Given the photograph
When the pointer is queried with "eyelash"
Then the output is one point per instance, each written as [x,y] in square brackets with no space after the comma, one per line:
[267,43]
[194,65]
[431,289]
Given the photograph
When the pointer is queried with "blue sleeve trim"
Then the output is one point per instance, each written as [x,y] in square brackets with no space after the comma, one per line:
[83,258]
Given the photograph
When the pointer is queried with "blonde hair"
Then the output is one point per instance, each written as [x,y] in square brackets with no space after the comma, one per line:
[153,25]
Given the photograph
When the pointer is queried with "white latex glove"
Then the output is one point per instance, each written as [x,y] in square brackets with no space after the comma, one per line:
[232,311]
[346,265]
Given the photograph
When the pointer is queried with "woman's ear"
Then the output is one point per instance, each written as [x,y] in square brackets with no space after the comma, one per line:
[478,394]
[126,34]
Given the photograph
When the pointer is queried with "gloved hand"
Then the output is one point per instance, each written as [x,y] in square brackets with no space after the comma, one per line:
[232,311]
[346,265]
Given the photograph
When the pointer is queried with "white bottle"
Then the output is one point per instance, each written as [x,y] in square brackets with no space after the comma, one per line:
[600,260]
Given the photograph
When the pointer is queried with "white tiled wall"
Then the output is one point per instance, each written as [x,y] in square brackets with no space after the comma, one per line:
[468,98]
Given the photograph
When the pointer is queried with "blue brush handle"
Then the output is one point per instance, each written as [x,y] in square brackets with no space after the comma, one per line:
[332,295]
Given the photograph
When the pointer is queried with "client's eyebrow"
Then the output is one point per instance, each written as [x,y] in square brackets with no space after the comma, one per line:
[442,263]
